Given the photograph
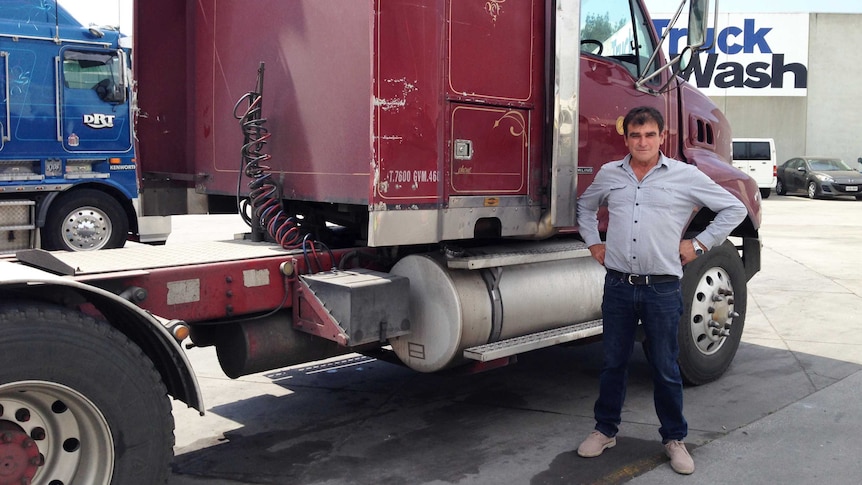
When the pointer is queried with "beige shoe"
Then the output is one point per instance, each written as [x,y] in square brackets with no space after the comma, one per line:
[595,444]
[680,460]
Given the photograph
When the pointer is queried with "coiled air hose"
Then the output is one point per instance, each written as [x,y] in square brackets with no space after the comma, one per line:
[267,210]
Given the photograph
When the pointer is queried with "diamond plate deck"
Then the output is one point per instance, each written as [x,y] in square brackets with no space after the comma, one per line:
[142,257]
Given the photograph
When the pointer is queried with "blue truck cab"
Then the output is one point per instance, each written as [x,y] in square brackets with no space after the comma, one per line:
[68,174]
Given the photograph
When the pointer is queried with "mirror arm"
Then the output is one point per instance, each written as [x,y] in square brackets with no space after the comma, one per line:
[643,77]
[714,29]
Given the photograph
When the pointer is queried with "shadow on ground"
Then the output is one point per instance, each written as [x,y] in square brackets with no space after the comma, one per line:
[364,421]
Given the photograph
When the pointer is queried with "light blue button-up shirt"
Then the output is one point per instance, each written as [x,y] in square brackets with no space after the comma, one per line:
[648,217]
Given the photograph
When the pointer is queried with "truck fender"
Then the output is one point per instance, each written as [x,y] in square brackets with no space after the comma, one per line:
[43,206]
[743,188]
[27,283]
[734,181]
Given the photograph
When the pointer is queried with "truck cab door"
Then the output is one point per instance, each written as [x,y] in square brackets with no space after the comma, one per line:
[798,175]
[616,44]
[94,103]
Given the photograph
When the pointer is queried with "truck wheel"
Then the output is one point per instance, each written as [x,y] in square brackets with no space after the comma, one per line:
[714,299]
[79,402]
[764,193]
[85,220]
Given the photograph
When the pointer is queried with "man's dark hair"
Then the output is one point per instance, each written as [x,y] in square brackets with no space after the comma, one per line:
[642,115]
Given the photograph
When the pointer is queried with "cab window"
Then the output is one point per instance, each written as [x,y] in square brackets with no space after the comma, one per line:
[100,72]
[617,29]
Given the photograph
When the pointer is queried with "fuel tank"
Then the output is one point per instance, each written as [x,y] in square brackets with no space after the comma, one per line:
[454,309]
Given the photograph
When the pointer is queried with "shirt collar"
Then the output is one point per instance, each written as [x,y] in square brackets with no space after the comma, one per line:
[663,161]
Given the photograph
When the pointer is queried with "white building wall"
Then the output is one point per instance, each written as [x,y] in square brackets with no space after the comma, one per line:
[835,87]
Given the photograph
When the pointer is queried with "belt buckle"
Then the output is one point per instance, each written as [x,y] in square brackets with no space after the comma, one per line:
[631,278]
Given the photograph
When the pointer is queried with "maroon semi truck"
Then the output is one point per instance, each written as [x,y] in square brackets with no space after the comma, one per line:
[410,171]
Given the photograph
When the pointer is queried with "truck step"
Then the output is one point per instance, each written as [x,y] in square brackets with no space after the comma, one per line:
[526,343]
[17,225]
[509,255]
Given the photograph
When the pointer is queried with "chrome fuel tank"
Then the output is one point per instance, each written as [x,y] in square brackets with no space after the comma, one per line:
[454,309]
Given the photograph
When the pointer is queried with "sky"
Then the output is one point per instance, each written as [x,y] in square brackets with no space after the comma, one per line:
[113,12]
[101,12]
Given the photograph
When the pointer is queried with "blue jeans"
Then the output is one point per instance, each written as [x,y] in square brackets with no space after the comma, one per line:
[658,307]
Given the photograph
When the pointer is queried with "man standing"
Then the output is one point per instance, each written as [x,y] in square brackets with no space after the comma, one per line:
[650,199]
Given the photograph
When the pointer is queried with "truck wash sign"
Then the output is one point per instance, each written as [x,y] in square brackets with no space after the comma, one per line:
[753,54]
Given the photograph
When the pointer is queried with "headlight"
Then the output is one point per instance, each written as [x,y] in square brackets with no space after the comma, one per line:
[823,177]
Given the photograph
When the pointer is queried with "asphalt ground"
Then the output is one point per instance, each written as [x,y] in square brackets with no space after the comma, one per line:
[785,412]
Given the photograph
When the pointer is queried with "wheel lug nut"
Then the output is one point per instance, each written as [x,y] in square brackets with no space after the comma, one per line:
[734,315]
[717,298]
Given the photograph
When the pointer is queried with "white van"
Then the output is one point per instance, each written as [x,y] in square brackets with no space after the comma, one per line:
[756,157]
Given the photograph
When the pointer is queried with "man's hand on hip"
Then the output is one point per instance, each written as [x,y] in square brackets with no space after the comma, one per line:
[686,251]
[598,253]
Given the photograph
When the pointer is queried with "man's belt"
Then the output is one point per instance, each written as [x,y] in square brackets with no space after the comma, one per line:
[642,279]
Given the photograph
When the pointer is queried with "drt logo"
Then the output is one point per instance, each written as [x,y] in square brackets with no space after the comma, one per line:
[99,120]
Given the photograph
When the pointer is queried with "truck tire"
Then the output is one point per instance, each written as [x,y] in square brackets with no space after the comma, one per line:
[714,300]
[764,193]
[79,402]
[85,220]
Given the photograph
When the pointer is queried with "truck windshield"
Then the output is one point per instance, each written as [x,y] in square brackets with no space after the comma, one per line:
[617,29]
[101,72]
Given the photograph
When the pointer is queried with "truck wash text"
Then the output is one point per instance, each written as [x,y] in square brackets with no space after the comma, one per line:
[99,120]
[731,40]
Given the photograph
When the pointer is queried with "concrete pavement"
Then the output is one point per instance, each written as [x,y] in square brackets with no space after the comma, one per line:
[814,440]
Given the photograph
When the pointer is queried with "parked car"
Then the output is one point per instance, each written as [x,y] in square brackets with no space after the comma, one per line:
[818,177]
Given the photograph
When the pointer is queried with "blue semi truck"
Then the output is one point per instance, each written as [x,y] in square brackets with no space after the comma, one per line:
[68,174]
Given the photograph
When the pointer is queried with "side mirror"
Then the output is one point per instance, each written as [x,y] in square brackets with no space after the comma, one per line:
[685,58]
[698,28]
[698,23]
[801,169]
